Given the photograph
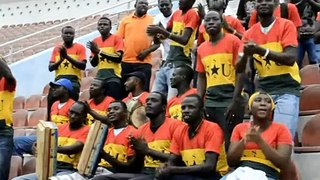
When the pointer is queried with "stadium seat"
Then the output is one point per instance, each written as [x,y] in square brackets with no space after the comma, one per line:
[20,131]
[45,90]
[309,100]
[311,132]
[44,102]
[303,119]
[310,74]
[307,161]
[33,102]
[18,102]
[20,118]
[85,83]
[91,72]
[39,114]
[85,95]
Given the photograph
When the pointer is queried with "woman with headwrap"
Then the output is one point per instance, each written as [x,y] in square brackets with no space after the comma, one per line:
[259,148]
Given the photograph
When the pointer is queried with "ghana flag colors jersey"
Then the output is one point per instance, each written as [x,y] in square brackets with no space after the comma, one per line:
[118,146]
[178,23]
[217,62]
[101,108]
[275,78]
[67,137]
[66,69]
[61,115]
[7,93]
[253,156]
[174,105]
[158,141]
[112,45]
[209,138]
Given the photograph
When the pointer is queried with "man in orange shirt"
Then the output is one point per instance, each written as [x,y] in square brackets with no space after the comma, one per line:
[197,143]
[137,45]
[136,99]
[273,44]
[106,54]
[98,101]
[153,139]
[67,60]
[180,79]
[59,114]
[60,109]
[7,91]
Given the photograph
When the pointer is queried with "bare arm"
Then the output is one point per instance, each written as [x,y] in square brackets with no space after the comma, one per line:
[181,39]
[202,84]
[235,152]
[288,57]
[97,116]
[134,164]
[209,166]
[72,149]
[279,157]
[78,64]
[54,65]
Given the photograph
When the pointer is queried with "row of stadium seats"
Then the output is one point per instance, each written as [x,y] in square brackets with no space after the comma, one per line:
[8,33]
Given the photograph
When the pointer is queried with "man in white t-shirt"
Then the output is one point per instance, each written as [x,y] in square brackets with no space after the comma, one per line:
[162,19]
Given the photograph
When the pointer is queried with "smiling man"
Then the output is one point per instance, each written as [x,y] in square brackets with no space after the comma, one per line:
[106,53]
[218,81]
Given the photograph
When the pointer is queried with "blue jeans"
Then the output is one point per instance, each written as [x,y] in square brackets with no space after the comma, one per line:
[33,176]
[23,145]
[162,82]
[6,143]
[313,50]
[287,111]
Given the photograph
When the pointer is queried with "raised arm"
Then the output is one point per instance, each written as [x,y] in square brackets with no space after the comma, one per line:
[140,146]
[134,163]
[207,167]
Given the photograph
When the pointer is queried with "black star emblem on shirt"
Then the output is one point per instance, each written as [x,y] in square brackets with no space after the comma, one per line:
[66,64]
[214,70]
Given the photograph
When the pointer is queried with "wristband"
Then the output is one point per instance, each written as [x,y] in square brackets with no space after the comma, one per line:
[266,54]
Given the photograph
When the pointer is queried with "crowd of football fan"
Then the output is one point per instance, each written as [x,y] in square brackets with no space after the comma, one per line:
[189,125]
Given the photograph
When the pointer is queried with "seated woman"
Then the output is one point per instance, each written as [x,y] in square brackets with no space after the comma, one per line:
[261,146]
